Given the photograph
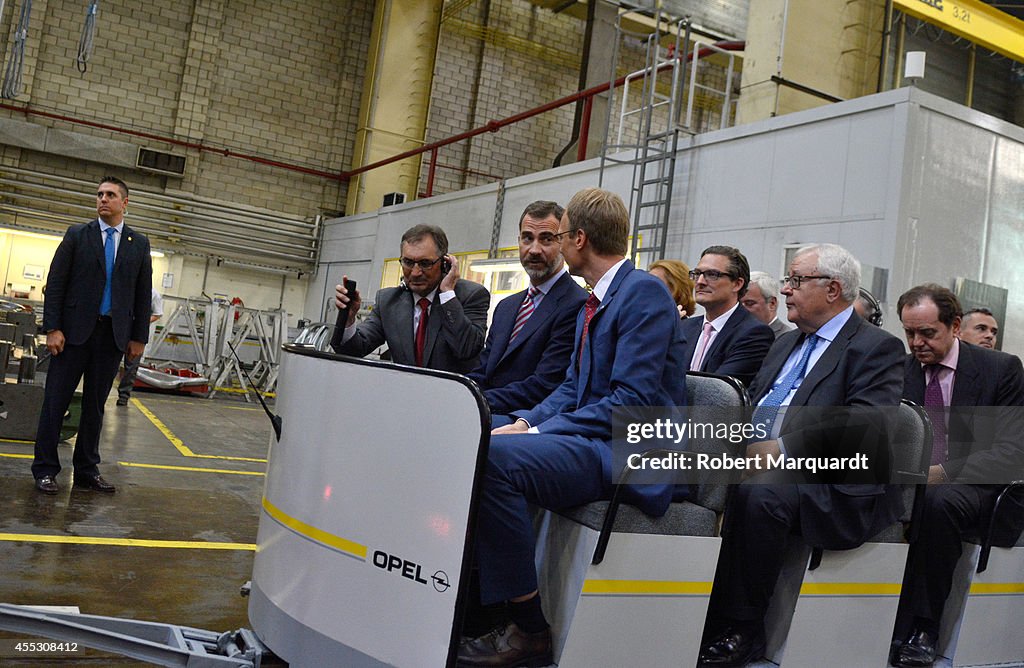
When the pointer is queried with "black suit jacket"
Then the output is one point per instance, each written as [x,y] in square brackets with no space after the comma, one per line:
[74,286]
[455,329]
[984,442]
[861,367]
[521,375]
[737,351]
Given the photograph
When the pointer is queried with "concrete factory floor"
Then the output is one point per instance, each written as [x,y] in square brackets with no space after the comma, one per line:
[173,545]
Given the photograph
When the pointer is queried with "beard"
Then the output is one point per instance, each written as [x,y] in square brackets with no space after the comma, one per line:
[539,274]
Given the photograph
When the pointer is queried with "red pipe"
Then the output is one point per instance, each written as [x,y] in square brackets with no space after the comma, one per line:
[581,141]
[430,173]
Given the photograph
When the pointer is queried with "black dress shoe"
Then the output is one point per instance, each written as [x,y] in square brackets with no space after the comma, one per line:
[732,648]
[47,485]
[507,646]
[122,401]
[95,483]
[917,650]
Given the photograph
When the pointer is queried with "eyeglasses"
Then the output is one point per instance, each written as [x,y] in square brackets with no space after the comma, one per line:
[424,265]
[546,239]
[795,281]
[558,236]
[710,275]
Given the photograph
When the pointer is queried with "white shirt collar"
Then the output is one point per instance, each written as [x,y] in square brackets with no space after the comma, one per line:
[605,281]
[546,285]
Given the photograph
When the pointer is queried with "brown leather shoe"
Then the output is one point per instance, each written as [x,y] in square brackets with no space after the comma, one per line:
[47,485]
[94,482]
[507,646]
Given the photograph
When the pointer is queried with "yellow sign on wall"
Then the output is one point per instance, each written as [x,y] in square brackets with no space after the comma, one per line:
[974,20]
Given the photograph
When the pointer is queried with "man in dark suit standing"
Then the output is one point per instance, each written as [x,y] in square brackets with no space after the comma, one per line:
[432,319]
[976,450]
[629,352]
[530,341]
[96,311]
[832,359]
[728,340]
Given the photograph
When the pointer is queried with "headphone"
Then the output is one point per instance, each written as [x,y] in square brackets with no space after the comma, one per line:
[875,317]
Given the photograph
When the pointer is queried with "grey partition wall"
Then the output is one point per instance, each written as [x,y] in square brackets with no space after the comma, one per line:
[914,185]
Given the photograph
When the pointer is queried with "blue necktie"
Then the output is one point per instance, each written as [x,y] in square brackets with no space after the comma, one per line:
[768,411]
[108,250]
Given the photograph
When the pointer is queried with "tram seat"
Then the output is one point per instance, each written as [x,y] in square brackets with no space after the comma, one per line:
[618,583]
[843,603]
[988,585]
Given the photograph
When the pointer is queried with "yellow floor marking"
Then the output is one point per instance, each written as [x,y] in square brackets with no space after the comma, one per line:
[319,535]
[14,440]
[638,587]
[124,542]
[850,589]
[983,588]
[238,390]
[188,468]
[14,456]
[177,442]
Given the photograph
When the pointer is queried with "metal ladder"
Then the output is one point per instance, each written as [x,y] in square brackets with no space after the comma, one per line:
[652,141]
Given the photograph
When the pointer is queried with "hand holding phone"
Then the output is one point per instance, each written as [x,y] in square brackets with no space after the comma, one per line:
[449,273]
[347,309]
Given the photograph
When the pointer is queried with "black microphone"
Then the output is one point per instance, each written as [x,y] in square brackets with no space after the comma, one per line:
[342,320]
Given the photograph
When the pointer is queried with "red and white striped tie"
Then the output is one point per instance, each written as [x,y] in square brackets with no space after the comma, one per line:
[525,311]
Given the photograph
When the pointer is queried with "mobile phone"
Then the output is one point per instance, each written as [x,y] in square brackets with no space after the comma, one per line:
[446,266]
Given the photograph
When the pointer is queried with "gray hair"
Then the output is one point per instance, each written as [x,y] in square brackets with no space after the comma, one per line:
[766,283]
[838,263]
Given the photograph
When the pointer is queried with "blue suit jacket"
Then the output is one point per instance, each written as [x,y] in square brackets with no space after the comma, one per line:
[863,366]
[737,350]
[519,376]
[633,356]
[74,286]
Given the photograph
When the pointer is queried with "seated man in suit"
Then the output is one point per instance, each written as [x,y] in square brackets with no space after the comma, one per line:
[974,449]
[979,327]
[832,359]
[762,300]
[530,341]
[728,340]
[629,352]
[432,319]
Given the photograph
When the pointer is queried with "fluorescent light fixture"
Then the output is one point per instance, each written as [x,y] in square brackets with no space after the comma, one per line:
[156,253]
[31,235]
[498,264]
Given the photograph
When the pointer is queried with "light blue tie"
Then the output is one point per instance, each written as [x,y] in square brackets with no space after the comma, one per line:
[108,250]
[768,411]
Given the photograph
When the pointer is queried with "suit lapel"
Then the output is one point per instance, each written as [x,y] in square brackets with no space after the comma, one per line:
[93,239]
[503,329]
[770,371]
[403,306]
[913,381]
[609,296]
[731,324]
[965,380]
[125,246]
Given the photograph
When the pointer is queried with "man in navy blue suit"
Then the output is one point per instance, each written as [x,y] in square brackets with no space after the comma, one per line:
[628,352]
[531,337]
[96,312]
[728,340]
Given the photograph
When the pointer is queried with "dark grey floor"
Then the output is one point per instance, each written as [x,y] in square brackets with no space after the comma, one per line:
[174,581]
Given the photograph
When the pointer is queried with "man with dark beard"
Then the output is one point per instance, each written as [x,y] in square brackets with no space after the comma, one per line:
[530,342]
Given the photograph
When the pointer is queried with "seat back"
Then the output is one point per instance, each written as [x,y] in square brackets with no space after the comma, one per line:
[912,454]
[713,392]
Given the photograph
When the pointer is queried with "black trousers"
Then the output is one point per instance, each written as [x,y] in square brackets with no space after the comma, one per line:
[759,524]
[96,361]
[952,513]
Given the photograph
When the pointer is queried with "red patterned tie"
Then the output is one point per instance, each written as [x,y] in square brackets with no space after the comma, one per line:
[421,329]
[591,309]
[525,311]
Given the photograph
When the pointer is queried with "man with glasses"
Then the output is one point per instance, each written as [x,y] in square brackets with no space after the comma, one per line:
[762,300]
[728,340]
[530,341]
[628,352]
[833,359]
[432,320]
